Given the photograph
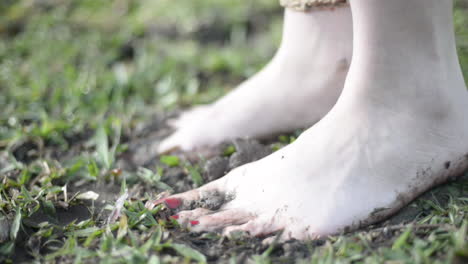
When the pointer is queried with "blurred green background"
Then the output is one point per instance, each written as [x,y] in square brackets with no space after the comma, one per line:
[70,65]
[67,65]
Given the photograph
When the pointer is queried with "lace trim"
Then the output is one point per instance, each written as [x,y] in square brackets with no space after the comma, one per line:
[305,5]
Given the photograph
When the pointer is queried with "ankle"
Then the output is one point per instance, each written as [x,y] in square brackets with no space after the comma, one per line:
[321,32]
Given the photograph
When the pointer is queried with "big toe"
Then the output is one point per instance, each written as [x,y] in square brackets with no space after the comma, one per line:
[221,219]
[211,196]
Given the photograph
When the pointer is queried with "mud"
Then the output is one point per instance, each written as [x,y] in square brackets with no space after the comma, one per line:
[145,139]
[447,165]
[215,168]
[247,151]
[62,216]
[211,201]
[214,247]
[27,151]
[220,250]
[4,228]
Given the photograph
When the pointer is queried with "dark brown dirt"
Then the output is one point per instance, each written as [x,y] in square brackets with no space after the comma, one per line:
[220,250]
[217,250]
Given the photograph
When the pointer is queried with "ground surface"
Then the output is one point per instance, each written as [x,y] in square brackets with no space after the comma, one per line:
[85,84]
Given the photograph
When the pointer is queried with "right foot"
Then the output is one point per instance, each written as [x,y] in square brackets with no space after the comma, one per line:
[310,66]
[399,128]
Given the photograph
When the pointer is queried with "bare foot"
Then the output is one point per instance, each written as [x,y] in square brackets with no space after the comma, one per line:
[399,128]
[295,90]
[329,180]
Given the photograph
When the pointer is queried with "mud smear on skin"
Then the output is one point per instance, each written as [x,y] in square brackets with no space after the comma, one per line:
[214,247]
[212,201]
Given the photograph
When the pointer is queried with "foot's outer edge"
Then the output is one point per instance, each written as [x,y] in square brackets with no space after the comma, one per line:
[380,215]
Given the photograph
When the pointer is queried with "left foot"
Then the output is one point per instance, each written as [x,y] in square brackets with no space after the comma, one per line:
[295,90]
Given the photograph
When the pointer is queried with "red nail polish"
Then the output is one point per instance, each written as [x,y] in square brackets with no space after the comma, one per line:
[175,217]
[194,223]
[172,203]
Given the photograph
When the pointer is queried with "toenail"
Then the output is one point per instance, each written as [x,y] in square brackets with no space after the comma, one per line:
[194,223]
[175,217]
[172,203]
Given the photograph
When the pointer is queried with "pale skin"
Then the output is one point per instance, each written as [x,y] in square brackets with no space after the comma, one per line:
[295,90]
[399,127]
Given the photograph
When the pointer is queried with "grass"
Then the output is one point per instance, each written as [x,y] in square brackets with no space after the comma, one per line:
[78,77]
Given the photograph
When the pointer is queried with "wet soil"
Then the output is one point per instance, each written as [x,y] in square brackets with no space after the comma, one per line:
[218,162]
